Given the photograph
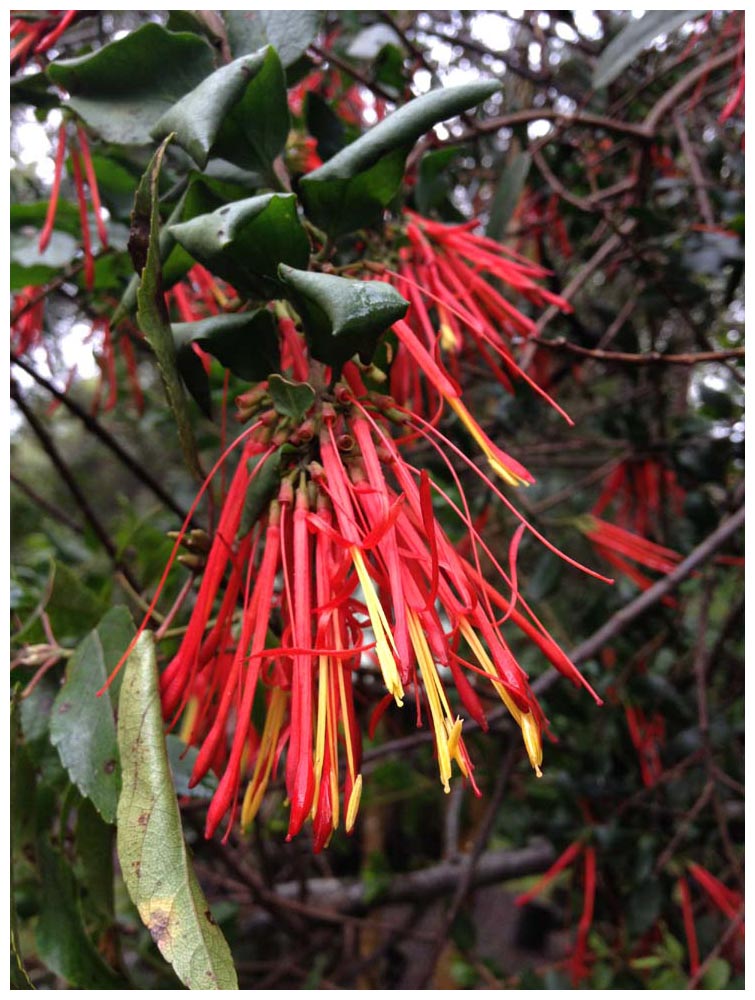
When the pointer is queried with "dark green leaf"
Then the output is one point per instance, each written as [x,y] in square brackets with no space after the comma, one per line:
[433,181]
[288,31]
[82,725]
[507,195]
[245,241]
[256,129]
[352,189]
[34,213]
[152,312]
[341,316]
[247,343]
[122,89]
[263,487]
[291,399]
[153,856]
[196,119]
[324,125]
[95,840]
[634,39]
[62,941]
[33,89]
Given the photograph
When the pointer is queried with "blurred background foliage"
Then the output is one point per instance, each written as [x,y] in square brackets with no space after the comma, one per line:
[614,156]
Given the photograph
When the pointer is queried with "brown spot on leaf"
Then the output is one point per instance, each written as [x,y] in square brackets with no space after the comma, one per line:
[143,819]
[159,925]
[65,707]
[109,766]
[209,916]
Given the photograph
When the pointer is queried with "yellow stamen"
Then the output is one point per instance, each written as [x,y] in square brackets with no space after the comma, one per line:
[190,717]
[436,698]
[322,725]
[525,720]
[381,628]
[353,807]
[532,741]
[448,339]
[258,785]
[484,443]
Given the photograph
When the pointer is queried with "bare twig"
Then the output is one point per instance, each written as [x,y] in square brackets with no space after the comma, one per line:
[65,474]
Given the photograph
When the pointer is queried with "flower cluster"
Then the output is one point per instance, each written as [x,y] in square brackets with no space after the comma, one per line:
[328,542]
[456,311]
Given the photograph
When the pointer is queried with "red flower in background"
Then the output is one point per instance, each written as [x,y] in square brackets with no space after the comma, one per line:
[33,37]
[647,735]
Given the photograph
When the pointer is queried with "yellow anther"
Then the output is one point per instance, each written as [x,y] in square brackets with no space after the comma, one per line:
[381,628]
[353,805]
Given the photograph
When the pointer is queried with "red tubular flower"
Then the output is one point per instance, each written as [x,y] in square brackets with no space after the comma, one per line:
[578,962]
[647,735]
[52,207]
[726,900]
[689,925]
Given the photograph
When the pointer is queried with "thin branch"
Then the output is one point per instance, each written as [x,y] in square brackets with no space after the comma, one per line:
[700,555]
[46,506]
[65,474]
[96,428]
[729,933]
[649,358]
[698,181]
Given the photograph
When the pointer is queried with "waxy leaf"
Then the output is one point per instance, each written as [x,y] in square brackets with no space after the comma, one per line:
[152,312]
[154,859]
[122,89]
[245,241]
[62,941]
[246,343]
[82,725]
[342,316]
[196,119]
[632,41]
[256,129]
[22,797]
[507,194]
[263,487]
[290,399]
[354,186]
[288,31]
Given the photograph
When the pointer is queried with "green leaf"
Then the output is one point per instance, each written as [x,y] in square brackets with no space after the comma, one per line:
[82,725]
[95,840]
[717,975]
[324,125]
[354,186]
[153,856]
[247,343]
[256,129]
[29,266]
[196,119]
[122,89]
[507,195]
[632,40]
[342,316]
[245,241]
[152,312]
[291,399]
[433,182]
[62,941]
[288,31]
[22,794]
[263,487]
